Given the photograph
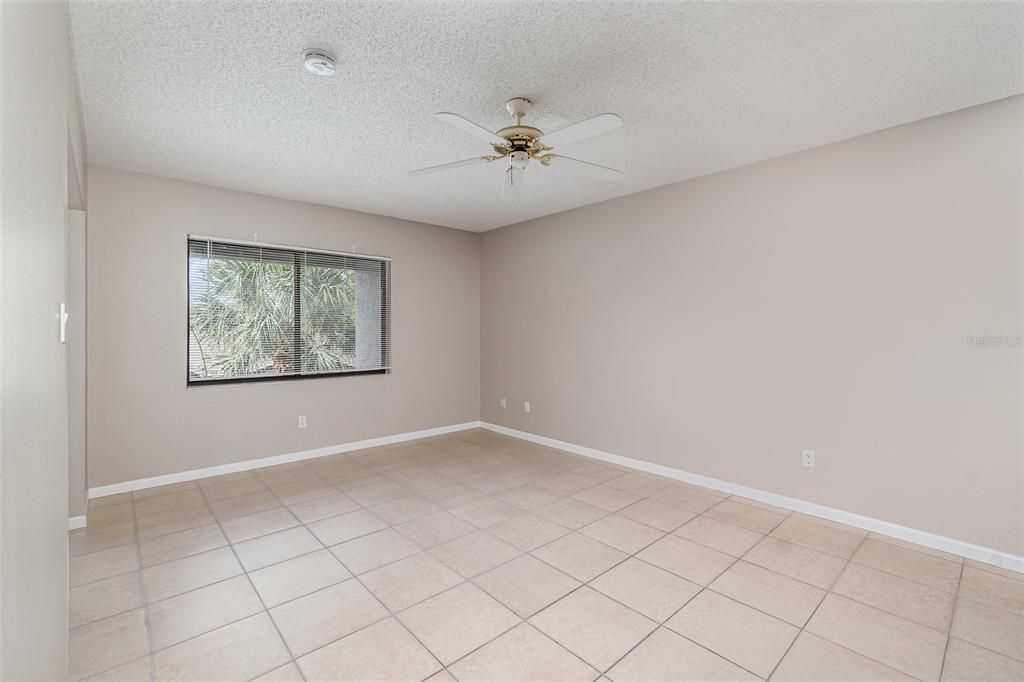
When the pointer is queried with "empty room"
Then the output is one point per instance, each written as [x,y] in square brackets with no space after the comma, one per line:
[511,340]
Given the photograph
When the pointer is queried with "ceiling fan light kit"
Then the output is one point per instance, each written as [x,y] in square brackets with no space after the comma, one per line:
[519,146]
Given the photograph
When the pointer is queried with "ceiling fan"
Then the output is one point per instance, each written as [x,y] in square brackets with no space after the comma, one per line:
[520,146]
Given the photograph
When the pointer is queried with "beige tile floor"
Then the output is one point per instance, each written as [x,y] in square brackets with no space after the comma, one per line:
[479,557]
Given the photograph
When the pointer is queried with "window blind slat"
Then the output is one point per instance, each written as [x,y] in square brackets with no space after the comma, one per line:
[264,312]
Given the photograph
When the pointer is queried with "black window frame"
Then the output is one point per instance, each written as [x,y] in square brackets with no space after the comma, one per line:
[297,257]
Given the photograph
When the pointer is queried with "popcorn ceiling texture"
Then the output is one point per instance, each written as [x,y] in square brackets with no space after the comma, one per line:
[214,92]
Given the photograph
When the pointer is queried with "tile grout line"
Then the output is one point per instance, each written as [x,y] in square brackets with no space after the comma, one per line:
[486,529]
[987,569]
[800,630]
[218,523]
[989,650]
[842,646]
[324,547]
[526,512]
[142,596]
[581,585]
[892,613]
[807,622]
[663,625]
[444,667]
[463,581]
[143,593]
[252,585]
[280,505]
[478,529]
[703,589]
[829,590]
[736,559]
[902,577]
[847,561]
[531,480]
[513,559]
[267,610]
[607,570]
[989,605]
[394,615]
[952,619]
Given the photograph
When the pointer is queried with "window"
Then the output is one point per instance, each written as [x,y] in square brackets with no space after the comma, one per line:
[259,312]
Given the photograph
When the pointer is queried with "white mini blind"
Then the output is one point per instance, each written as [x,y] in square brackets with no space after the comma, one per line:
[260,312]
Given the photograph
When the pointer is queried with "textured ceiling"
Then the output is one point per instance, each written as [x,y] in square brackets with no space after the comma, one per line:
[214,92]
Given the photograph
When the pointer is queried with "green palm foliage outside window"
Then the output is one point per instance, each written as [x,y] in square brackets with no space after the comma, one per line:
[328,319]
[257,312]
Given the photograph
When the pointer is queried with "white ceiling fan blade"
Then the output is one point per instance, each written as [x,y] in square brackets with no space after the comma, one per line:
[592,127]
[592,169]
[472,128]
[513,183]
[453,164]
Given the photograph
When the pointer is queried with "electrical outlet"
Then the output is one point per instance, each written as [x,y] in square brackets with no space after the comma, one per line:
[302,421]
[526,406]
[808,460]
[502,403]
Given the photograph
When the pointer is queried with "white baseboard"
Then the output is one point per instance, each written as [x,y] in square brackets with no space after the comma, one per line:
[206,472]
[965,549]
[920,537]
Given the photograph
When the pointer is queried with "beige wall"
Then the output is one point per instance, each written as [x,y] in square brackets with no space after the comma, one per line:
[143,421]
[822,300]
[39,114]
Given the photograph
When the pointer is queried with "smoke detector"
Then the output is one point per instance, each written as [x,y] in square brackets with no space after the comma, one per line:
[318,62]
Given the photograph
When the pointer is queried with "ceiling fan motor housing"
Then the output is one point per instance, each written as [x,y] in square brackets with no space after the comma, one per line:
[521,137]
